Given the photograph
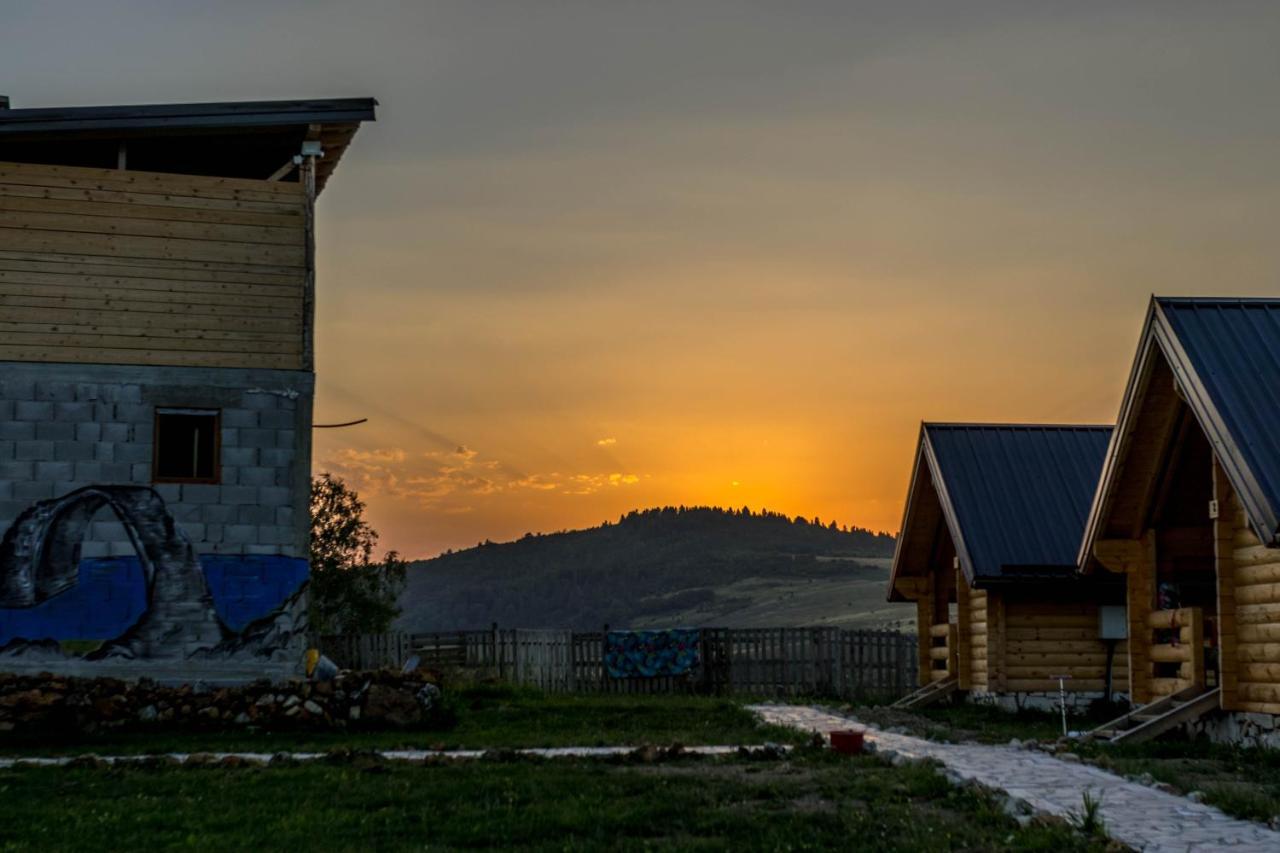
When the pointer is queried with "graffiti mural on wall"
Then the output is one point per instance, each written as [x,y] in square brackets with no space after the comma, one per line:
[172,617]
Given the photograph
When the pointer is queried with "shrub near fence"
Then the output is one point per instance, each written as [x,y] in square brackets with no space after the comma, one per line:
[751,661]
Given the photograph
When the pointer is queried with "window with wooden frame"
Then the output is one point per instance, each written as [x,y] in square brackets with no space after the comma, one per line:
[187,446]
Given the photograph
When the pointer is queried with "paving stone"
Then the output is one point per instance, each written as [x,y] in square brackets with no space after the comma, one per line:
[1142,817]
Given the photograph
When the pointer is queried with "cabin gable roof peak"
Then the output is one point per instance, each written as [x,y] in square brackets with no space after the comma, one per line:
[1224,354]
[1014,496]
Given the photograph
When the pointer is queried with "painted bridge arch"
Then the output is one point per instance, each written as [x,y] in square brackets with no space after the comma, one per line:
[40,558]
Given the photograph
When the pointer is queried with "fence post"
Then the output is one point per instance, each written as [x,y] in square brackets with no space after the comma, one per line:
[837,671]
[571,664]
[901,659]
[497,657]
[604,648]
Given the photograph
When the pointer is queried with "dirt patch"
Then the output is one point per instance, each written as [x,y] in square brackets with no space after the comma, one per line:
[891,718]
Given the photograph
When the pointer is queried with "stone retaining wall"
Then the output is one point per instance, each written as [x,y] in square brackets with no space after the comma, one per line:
[366,700]
[1236,728]
[1077,702]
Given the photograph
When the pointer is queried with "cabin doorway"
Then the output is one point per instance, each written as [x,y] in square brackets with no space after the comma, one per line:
[1186,599]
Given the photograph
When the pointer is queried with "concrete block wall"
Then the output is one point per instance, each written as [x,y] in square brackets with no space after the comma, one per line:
[65,426]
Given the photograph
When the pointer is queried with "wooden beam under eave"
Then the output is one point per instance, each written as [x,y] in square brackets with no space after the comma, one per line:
[1119,555]
[911,588]
[1224,566]
[964,651]
[1140,596]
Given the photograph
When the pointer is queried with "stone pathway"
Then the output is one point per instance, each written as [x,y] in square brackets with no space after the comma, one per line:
[1141,817]
[388,754]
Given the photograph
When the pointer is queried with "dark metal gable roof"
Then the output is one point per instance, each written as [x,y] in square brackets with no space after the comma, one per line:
[1225,354]
[1015,497]
[175,116]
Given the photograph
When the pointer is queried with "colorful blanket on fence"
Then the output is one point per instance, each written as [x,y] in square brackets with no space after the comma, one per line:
[649,654]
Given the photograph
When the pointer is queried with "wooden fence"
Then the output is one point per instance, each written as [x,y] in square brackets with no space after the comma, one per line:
[751,661]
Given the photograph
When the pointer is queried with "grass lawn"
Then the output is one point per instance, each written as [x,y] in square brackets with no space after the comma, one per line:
[812,800]
[964,722]
[488,717]
[1244,783]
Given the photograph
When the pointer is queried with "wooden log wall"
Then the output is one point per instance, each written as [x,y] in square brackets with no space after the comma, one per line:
[1044,638]
[1184,648]
[998,643]
[979,638]
[1249,632]
[120,267]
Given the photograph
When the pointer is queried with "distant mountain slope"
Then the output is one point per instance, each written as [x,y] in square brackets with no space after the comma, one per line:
[660,567]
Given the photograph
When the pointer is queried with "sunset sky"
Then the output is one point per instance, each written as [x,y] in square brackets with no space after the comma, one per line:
[606,255]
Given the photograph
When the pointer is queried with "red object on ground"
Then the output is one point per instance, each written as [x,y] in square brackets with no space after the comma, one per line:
[847,741]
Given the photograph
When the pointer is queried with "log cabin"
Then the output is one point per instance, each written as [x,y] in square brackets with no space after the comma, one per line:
[1188,511]
[157,304]
[992,525]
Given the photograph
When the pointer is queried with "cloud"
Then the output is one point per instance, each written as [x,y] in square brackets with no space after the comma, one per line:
[537,482]
[589,484]
[373,457]
[449,481]
[607,442]
[369,472]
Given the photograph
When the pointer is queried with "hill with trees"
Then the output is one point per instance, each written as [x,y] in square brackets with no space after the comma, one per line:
[666,566]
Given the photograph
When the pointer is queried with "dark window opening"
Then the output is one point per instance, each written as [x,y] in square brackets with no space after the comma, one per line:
[186,446]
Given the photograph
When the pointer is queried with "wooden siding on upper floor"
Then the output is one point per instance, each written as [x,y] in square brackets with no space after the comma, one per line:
[119,267]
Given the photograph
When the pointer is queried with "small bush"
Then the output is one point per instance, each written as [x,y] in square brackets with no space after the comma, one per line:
[1089,819]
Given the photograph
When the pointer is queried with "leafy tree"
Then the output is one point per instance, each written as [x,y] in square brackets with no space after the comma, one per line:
[350,593]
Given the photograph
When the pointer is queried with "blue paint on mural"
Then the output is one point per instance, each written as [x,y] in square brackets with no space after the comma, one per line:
[248,588]
[648,654]
[110,595]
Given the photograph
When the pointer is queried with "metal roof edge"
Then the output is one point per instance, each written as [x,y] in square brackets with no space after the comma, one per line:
[1010,425]
[363,105]
[1011,575]
[1119,441]
[948,509]
[906,516]
[1216,300]
[230,114]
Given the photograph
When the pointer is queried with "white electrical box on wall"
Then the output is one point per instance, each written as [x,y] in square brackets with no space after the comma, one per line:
[1113,624]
